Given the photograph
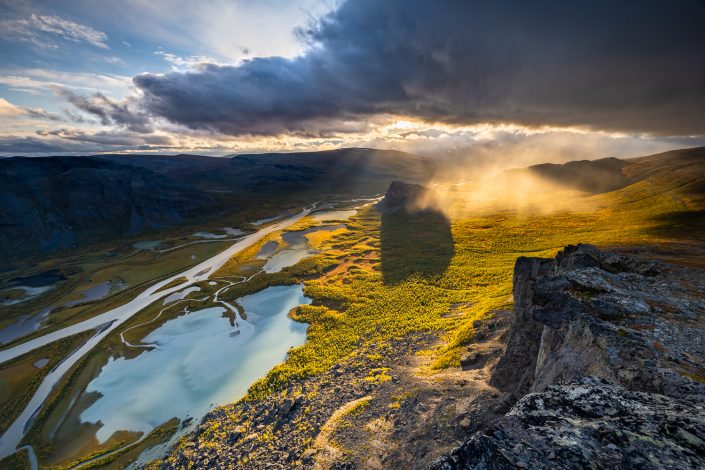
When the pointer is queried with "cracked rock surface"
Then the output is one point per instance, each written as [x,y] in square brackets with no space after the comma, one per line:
[607,351]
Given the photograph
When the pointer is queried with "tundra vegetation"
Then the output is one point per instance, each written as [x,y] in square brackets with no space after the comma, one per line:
[380,279]
[389,277]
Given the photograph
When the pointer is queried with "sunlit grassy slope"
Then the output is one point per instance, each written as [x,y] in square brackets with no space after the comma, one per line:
[385,278]
[368,296]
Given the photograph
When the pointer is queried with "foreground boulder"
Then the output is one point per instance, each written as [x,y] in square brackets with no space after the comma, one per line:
[610,350]
[589,423]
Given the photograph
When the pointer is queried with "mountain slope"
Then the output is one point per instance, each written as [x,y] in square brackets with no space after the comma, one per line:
[592,176]
[605,348]
[352,168]
[192,169]
[610,174]
[672,161]
[349,169]
[55,203]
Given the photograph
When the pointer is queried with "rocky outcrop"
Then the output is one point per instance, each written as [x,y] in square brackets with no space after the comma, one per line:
[401,196]
[607,351]
[628,320]
[589,423]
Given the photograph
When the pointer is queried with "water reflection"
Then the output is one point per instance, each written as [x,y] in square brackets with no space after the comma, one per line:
[327,216]
[200,361]
[24,325]
[267,250]
[297,248]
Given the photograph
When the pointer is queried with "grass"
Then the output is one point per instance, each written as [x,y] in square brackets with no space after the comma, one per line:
[317,239]
[20,378]
[176,282]
[383,278]
[367,309]
[17,461]
[415,243]
[380,294]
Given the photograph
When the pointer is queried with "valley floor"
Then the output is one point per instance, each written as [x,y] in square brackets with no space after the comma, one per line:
[406,320]
[395,369]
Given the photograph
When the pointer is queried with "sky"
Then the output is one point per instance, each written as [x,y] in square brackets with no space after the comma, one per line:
[551,80]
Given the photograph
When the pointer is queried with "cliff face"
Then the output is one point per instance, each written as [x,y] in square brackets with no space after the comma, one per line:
[607,351]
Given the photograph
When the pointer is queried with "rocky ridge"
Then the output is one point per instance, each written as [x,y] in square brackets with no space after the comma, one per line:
[607,351]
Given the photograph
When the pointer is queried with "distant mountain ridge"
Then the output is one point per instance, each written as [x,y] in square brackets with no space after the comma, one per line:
[352,168]
[609,174]
[54,203]
[58,203]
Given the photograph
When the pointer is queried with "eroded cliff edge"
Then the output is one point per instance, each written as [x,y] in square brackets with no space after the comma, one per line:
[607,352]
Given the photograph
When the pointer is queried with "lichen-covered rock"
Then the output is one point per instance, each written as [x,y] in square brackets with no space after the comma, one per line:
[610,349]
[589,423]
[631,321]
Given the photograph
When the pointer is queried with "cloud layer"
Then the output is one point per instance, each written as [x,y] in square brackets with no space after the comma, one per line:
[619,66]
[110,111]
[43,31]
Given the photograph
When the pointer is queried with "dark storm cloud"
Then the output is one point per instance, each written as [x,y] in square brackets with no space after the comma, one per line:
[627,66]
[109,138]
[11,145]
[110,111]
[68,141]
